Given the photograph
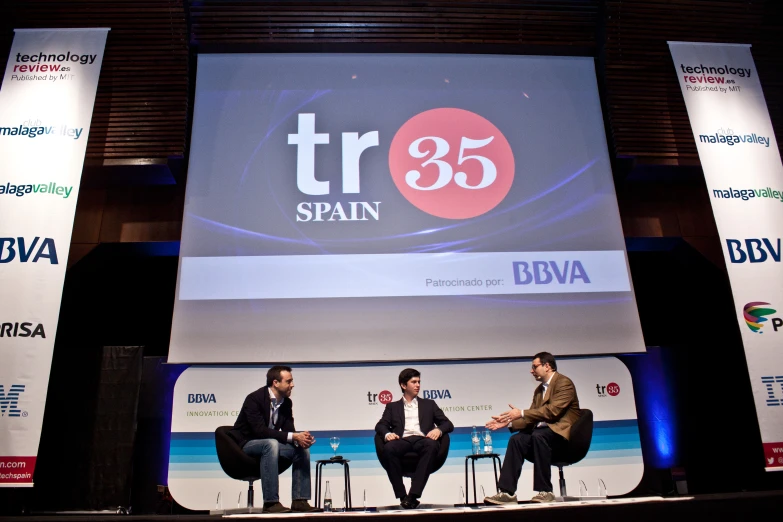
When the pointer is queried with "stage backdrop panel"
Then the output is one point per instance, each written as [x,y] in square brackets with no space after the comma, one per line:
[46,104]
[744,176]
[399,207]
[345,401]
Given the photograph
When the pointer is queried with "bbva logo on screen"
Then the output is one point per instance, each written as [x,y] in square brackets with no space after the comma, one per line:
[25,251]
[201,398]
[447,162]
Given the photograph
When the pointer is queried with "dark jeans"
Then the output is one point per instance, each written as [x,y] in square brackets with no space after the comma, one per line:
[535,445]
[394,450]
[269,451]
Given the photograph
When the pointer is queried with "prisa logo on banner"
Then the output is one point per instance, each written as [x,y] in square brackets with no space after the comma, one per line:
[728,137]
[774,386]
[755,251]
[9,401]
[423,157]
[22,330]
[24,251]
[755,315]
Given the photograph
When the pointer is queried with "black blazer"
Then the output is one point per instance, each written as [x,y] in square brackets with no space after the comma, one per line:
[430,417]
[253,420]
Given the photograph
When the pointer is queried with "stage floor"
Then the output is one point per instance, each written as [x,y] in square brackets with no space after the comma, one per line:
[735,506]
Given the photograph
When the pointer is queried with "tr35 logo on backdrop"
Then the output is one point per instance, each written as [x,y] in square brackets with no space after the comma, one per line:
[9,401]
[610,390]
[447,162]
[383,397]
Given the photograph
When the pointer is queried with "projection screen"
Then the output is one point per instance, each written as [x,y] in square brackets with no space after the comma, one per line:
[376,207]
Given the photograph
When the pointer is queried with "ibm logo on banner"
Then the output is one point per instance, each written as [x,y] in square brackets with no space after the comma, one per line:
[9,401]
[772,399]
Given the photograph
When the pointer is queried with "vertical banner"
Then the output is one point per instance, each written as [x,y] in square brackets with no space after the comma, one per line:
[742,168]
[46,103]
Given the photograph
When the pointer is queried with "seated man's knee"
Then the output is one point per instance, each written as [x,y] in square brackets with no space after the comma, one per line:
[431,445]
[272,447]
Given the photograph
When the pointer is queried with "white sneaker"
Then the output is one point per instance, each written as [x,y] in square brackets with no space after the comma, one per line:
[501,498]
[543,497]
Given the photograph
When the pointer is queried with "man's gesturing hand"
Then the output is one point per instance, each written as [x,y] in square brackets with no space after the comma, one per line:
[495,425]
[509,416]
[391,436]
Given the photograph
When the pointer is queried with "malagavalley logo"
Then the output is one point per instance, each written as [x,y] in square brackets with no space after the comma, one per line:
[731,138]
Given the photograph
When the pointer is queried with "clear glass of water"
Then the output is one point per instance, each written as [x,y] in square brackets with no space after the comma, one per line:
[487,436]
[334,442]
[475,442]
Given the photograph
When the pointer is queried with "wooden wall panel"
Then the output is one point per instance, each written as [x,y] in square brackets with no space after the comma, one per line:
[542,22]
[142,101]
[645,106]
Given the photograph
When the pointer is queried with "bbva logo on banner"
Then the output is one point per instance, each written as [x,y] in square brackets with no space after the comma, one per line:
[447,162]
[25,250]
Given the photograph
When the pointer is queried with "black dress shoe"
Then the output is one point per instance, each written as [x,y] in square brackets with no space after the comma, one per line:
[409,502]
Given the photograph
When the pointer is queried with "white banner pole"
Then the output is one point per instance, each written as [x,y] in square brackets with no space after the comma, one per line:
[46,104]
[744,175]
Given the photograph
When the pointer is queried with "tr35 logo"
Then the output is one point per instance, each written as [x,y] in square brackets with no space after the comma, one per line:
[447,162]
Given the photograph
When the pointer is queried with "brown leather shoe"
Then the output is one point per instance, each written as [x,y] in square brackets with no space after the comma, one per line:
[276,507]
[303,506]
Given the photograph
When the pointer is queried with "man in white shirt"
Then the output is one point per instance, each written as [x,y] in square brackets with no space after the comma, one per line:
[403,427]
[542,429]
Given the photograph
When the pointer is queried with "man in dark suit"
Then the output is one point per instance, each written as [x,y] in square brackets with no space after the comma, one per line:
[544,427]
[403,427]
[265,429]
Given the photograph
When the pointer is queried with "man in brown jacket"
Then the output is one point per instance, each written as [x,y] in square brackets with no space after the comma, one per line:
[540,430]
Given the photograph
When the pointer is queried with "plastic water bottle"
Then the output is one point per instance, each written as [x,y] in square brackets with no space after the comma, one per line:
[327,499]
[487,442]
[475,440]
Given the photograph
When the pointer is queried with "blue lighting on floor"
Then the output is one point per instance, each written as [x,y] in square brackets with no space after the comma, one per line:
[656,407]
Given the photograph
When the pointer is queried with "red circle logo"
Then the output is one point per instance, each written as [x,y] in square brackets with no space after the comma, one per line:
[385,397]
[451,163]
[613,389]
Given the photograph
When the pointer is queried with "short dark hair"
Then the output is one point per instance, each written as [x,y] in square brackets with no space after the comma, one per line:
[274,374]
[407,374]
[546,358]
